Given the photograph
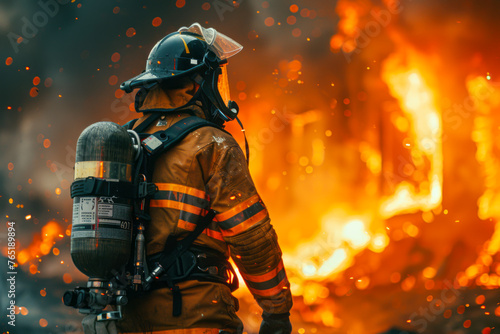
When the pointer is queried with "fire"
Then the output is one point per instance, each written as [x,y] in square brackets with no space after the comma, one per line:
[351,13]
[418,188]
[421,180]
[42,243]
[334,248]
[486,98]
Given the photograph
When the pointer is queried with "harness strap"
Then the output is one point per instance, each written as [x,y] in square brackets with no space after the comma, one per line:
[169,258]
[92,186]
[154,145]
[162,140]
[199,263]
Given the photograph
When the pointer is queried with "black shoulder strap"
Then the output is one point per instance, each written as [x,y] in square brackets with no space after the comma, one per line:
[143,126]
[161,141]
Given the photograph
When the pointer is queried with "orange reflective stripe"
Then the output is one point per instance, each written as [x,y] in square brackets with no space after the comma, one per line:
[182,189]
[246,224]
[272,291]
[190,227]
[213,234]
[237,209]
[166,203]
[265,277]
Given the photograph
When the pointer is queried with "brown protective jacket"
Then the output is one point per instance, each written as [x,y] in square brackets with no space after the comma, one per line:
[207,170]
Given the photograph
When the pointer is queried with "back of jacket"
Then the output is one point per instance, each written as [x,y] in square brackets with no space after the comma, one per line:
[208,170]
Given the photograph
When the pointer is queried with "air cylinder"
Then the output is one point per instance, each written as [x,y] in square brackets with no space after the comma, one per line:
[101,236]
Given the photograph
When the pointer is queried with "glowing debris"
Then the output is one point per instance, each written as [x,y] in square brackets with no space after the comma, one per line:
[113,80]
[33,269]
[296,32]
[156,22]
[130,32]
[46,143]
[115,57]
[67,278]
[34,92]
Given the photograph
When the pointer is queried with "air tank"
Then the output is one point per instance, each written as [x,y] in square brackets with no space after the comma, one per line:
[101,234]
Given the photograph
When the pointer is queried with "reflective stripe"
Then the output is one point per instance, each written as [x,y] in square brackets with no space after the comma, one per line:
[238,208]
[182,198]
[192,204]
[246,224]
[242,217]
[268,284]
[182,189]
[283,285]
[190,227]
[185,44]
[266,277]
[166,203]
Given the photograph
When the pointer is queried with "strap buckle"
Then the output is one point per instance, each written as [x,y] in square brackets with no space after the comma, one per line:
[212,270]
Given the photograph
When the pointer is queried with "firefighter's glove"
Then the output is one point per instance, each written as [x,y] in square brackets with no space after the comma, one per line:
[275,323]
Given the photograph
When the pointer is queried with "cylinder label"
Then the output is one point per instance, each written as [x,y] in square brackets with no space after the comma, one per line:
[87,210]
[105,210]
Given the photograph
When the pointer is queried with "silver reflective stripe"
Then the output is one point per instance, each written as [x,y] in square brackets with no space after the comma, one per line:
[103,169]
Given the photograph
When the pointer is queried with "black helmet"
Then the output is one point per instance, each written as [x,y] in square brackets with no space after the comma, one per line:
[196,53]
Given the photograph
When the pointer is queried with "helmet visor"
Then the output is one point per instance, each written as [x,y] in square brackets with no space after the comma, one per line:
[223,85]
[223,46]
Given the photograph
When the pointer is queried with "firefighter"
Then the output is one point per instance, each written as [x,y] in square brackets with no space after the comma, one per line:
[185,76]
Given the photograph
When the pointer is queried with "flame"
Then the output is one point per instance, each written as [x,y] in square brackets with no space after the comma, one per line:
[403,75]
[332,251]
[486,98]
[351,14]
[343,235]
[42,243]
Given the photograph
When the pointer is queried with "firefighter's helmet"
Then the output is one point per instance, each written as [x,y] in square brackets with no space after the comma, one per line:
[198,54]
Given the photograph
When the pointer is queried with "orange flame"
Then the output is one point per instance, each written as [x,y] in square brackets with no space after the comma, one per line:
[42,243]
[417,101]
[486,98]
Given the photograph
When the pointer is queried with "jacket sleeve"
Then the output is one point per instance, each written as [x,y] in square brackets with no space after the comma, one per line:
[245,226]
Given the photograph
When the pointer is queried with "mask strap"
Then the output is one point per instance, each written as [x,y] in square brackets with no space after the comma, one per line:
[247,148]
